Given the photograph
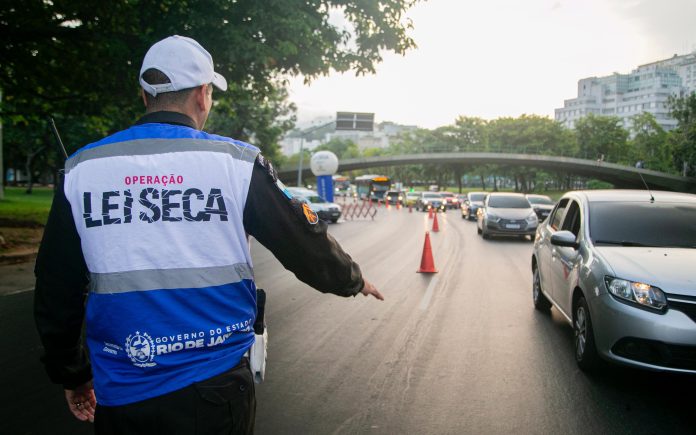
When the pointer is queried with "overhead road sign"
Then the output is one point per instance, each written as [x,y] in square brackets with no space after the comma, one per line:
[355,121]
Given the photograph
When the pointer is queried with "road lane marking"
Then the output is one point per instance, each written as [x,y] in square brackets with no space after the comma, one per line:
[16,292]
[428,294]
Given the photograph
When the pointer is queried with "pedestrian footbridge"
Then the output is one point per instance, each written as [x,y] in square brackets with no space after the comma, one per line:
[619,175]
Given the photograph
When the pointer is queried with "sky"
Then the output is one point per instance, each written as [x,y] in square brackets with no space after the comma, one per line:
[495,58]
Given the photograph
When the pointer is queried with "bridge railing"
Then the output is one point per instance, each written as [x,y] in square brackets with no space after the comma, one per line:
[513,149]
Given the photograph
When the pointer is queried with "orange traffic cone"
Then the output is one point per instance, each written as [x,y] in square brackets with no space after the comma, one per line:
[430,213]
[436,227]
[427,263]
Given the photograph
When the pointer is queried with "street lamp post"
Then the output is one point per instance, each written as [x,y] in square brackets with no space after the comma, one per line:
[299,168]
[302,137]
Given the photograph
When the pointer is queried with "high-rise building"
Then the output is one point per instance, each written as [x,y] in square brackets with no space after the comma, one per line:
[645,89]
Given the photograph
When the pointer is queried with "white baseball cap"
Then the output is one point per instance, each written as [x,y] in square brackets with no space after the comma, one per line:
[184,61]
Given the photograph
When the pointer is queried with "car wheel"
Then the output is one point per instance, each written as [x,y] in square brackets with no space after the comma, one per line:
[478,230]
[334,220]
[541,303]
[585,351]
[485,234]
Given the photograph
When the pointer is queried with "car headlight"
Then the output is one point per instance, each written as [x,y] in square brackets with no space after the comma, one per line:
[637,292]
[426,202]
[492,217]
[532,218]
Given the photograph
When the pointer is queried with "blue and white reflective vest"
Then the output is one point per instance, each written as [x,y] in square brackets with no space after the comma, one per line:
[159,210]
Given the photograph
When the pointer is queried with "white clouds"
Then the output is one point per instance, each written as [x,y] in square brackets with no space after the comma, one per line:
[501,58]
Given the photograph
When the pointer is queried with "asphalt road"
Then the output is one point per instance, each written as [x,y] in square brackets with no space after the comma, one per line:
[457,352]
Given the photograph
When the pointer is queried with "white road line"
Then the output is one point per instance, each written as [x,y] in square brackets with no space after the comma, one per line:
[428,294]
[16,292]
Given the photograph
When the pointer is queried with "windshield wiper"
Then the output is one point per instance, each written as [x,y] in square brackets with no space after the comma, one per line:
[624,243]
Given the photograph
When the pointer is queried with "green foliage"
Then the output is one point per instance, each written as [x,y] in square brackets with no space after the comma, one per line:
[80,60]
[649,143]
[529,134]
[21,207]
[599,184]
[682,141]
[603,138]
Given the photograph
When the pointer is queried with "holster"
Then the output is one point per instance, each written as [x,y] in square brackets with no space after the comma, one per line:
[257,353]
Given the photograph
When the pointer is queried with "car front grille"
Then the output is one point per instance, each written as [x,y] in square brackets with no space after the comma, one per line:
[503,223]
[656,353]
[685,304]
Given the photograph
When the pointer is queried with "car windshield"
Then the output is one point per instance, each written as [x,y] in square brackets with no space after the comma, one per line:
[431,196]
[643,224]
[544,200]
[412,195]
[314,199]
[477,196]
[505,201]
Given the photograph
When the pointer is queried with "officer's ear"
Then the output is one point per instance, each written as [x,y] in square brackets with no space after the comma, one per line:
[200,94]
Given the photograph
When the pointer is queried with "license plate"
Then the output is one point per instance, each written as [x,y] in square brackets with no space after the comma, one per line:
[512,226]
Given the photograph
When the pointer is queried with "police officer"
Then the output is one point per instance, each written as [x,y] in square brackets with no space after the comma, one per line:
[149,226]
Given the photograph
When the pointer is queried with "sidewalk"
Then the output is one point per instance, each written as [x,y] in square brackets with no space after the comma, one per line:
[16,278]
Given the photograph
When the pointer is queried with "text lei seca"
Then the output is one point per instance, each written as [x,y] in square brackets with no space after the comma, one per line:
[155,204]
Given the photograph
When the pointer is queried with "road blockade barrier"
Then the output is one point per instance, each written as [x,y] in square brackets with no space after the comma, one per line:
[358,210]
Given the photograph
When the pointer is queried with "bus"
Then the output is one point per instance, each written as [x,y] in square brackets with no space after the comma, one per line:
[342,185]
[372,186]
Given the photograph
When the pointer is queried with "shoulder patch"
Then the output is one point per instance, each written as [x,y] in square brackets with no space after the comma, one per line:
[311,217]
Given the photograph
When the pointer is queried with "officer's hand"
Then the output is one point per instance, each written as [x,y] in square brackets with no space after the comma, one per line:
[369,289]
[82,402]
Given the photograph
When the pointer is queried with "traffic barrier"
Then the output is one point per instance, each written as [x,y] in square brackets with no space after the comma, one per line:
[427,263]
[361,210]
[436,227]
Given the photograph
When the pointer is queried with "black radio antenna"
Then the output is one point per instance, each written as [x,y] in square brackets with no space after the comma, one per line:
[61,147]
[652,198]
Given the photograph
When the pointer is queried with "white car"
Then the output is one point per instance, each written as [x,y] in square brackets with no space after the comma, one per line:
[327,211]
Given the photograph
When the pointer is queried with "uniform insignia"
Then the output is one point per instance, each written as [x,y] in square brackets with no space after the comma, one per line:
[312,217]
[268,166]
[270,170]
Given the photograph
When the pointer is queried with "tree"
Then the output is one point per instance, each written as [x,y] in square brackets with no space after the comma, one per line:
[80,59]
[649,143]
[682,140]
[603,138]
[471,133]
[528,134]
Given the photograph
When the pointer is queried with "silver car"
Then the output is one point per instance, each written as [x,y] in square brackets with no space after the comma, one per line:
[507,214]
[620,266]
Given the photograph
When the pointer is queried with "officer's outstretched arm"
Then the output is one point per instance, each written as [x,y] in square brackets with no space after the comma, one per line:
[299,239]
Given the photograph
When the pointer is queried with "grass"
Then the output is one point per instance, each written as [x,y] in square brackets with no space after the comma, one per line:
[18,206]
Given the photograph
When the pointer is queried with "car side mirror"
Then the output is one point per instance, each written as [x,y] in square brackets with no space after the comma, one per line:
[564,238]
